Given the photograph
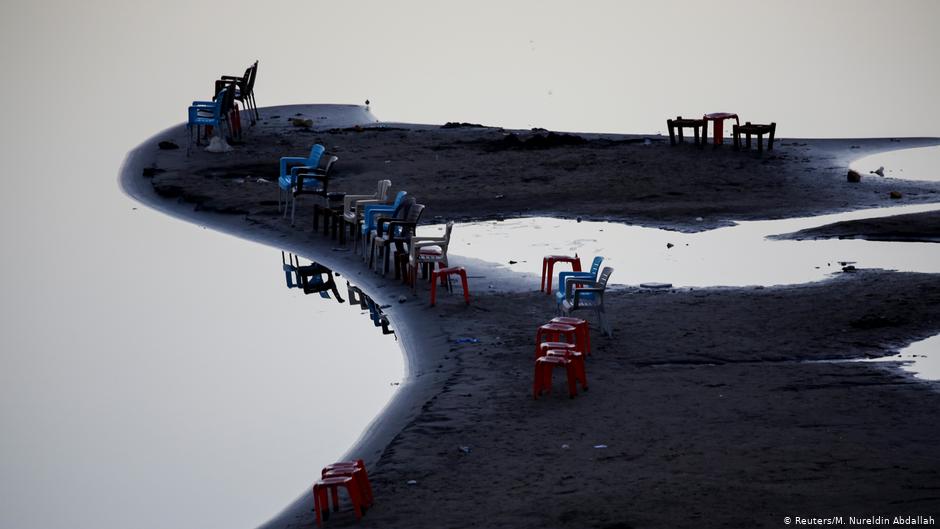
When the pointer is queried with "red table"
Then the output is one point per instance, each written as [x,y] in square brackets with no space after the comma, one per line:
[719,119]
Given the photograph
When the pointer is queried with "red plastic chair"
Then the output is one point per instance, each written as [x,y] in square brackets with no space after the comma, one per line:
[445,273]
[357,470]
[583,328]
[543,375]
[555,332]
[577,359]
[548,265]
[321,505]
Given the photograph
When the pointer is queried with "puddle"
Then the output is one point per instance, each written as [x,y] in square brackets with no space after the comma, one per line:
[920,163]
[919,359]
[734,256]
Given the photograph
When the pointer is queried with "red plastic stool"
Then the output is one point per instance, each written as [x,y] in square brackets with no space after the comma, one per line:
[321,503]
[543,375]
[445,273]
[548,266]
[554,332]
[584,331]
[719,119]
[577,359]
[355,469]
[545,347]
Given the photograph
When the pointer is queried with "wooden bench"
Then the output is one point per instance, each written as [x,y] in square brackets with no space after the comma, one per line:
[759,130]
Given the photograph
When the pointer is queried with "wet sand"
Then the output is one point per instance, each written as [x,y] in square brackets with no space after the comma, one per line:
[708,411]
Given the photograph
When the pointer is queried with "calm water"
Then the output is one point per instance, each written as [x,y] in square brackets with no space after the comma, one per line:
[739,255]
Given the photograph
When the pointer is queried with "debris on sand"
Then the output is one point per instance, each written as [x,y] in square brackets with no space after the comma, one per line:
[895,195]
[879,171]
[461,125]
[538,141]
[167,146]
[299,122]
[854,176]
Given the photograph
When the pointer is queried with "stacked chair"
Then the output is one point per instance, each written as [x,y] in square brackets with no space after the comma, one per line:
[350,475]
[223,110]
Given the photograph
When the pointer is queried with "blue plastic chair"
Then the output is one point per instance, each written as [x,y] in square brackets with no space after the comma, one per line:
[290,270]
[372,211]
[564,276]
[290,166]
[205,113]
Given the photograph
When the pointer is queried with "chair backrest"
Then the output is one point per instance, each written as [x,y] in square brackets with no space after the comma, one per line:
[384,187]
[315,153]
[226,98]
[447,230]
[399,198]
[251,73]
[596,265]
[414,213]
[403,206]
[605,275]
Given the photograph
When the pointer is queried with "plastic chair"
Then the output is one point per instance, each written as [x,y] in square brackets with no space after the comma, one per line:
[353,206]
[321,505]
[426,251]
[371,212]
[554,332]
[582,329]
[349,468]
[563,278]
[446,273]
[588,296]
[245,90]
[314,182]
[205,114]
[290,166]
[543,374]
[394,232]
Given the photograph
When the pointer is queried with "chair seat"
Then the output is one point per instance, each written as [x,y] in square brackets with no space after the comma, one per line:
[430,251]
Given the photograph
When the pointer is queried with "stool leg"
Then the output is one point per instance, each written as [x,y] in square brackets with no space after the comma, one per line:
[538,341]
[576,265]
[355,498]
[317,506]
[433,287]
[572,377]
[719,131]
[334,491]
[542,282]
[548,279]
[536,381]
[466,289]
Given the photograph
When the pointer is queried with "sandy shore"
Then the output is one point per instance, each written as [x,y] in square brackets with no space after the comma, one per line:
[710,404]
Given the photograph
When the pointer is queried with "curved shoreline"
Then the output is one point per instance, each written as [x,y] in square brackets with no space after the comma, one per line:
[416,342]
[423,347]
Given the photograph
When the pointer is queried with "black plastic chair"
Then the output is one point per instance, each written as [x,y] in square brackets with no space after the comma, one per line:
[313,181]
[246,89]
[397,233]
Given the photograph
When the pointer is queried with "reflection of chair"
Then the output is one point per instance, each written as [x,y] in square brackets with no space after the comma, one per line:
[563,278]
[290,166]
[588,296]
[290,270]
[316,278]
[426,251]
[394,232]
